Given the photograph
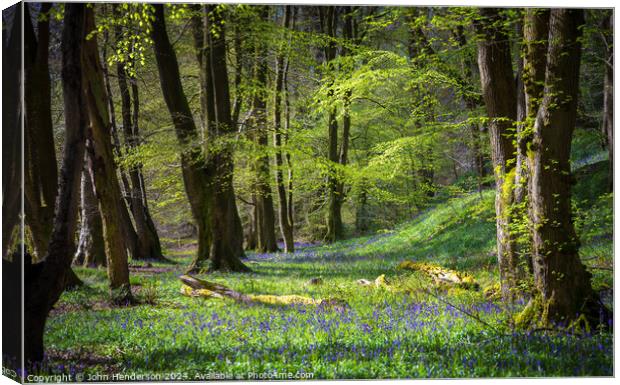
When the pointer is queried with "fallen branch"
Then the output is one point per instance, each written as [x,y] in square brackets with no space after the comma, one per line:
[194,287]
[441,275]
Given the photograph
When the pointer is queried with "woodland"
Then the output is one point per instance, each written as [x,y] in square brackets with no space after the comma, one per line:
[230,191]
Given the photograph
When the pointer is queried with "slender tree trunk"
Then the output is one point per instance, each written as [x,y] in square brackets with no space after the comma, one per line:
[328,19]
[45,283]
[287,155]
[91,246]
[498,88]
[471,103]
[286,227]
[103,168]
[562,282]
[265,214]
[149,247]
[40,173]
[131,238]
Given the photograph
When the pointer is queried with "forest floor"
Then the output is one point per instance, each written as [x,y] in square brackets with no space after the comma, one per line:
[411,329]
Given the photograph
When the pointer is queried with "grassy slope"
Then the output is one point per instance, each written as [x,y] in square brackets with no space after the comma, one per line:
[382,335]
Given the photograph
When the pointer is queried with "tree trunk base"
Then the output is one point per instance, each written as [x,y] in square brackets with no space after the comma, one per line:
[535,315]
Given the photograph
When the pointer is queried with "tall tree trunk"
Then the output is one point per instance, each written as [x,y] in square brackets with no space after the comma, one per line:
[471,103]
[103,168]
[265,214]
[328,18]
[14,262]
[562,283]
[286,227]
[498,88]
[40,173]
[11,129]
[608,95]
[193,166]
[343,153]
[91,246]
[45,283]
[227,244]
[149,247]
[197,173]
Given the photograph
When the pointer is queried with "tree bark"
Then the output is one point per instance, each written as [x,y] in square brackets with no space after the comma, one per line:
[91,246]
[198,172]
[193,165]
[11,129]
[227,246]
[286,226]
[149,247]
[562,283]
[471,103]
[608,95]
[265,213]
[102,166]
[40,173]
[45,281]
[12,267]
[498,88]
[335,231]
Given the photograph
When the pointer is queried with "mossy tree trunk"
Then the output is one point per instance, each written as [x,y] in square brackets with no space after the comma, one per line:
[562,282]
[499,93]
[103,167]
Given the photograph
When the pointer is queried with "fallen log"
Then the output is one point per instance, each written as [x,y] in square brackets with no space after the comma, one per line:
[441,275]
[195,287]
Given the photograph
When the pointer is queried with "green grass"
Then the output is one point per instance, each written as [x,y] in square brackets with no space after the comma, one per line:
[413,333]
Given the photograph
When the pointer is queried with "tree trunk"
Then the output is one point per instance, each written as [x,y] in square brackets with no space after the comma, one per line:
[286,227]
[11,129]
[498,88]
[265,214]
[40,173]
[46,281]
[227,243]
[608,96]
[12,263]
[562,283]
[91,246]
[328,19]
[194,168]
[103,168]
[197,173]
[472,103]
[149,247]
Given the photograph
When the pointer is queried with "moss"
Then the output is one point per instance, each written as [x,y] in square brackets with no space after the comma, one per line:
[441,275]
[528,316]
[493,291]
[580,325]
